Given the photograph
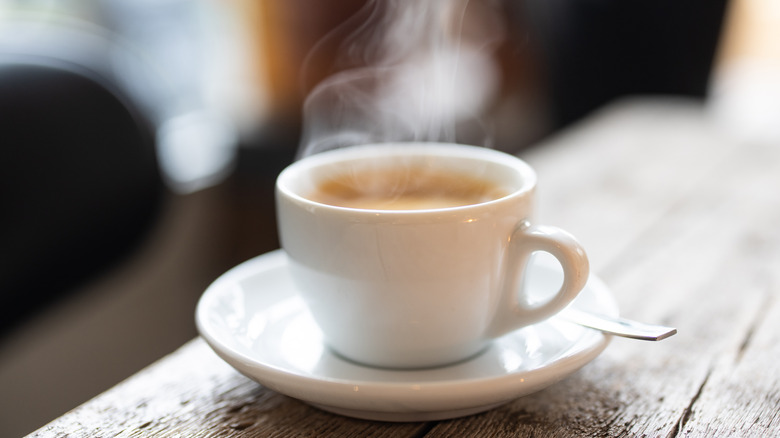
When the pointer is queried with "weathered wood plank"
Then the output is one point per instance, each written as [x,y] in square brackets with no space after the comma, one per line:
[741,396]
[610,179]
[193,393]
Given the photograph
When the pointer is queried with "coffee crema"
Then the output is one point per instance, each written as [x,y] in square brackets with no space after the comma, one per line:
[414,188]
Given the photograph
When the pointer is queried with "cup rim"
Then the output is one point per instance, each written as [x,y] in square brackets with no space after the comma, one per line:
[391,149]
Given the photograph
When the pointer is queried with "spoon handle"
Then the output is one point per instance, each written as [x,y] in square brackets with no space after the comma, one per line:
[618,326]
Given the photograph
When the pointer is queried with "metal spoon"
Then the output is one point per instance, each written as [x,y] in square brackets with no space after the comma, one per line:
[618,326]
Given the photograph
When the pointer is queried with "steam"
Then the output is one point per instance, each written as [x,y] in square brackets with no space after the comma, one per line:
[410,72]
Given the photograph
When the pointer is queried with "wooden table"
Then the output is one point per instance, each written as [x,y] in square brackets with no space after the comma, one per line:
[680,220]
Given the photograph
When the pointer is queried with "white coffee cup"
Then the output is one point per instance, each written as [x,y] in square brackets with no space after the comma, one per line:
[426,287]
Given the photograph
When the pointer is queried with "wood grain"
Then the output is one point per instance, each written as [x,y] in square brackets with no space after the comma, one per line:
[192,393]
[680,220]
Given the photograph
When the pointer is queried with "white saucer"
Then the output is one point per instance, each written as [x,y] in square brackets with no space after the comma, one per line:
[252,317]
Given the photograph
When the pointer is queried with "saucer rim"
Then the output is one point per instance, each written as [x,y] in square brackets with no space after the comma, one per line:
[425,400]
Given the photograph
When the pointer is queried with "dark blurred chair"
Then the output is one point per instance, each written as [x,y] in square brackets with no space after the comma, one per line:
[79,183]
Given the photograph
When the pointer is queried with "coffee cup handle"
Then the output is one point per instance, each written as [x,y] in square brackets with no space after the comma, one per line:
[514,311]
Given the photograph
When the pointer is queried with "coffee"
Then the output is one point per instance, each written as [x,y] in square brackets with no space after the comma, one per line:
[413,188]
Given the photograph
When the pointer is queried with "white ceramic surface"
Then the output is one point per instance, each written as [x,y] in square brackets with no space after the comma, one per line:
[254,319]
[419,288]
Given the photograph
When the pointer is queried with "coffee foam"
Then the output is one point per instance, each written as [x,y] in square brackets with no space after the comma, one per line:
[407,176]
[404,188]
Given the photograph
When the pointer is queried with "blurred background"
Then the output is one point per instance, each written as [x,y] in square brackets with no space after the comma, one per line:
[140,139]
